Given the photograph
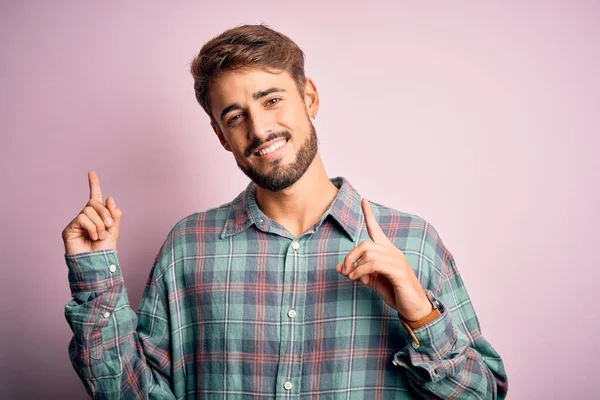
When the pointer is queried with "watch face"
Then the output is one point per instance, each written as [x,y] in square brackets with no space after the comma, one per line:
[433,300]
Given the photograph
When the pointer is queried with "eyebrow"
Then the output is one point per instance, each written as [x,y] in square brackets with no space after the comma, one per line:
[256,96]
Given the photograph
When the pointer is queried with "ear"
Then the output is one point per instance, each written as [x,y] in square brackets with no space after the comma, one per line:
[311,97]
[220,135]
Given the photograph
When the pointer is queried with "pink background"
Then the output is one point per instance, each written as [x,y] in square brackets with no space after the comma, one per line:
[481,118]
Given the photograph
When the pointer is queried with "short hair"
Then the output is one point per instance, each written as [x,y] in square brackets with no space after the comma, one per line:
[254,46]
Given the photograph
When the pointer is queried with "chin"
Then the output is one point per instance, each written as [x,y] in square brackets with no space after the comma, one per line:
[280,174]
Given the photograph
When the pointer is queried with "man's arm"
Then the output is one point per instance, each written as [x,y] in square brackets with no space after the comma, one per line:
[452,359]
[116,353]
[449,357]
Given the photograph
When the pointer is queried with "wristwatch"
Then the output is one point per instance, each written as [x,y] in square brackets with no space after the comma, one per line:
[438,308]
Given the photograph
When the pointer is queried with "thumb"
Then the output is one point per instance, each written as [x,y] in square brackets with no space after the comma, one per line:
[116,213]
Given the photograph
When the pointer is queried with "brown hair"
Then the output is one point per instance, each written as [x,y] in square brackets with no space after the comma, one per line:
[241,47]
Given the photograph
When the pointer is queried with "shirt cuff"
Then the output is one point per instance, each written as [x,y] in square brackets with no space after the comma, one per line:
[437,337]
[436,342]
[93,271]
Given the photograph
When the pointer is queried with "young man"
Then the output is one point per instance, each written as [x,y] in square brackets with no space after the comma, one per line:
[299,287]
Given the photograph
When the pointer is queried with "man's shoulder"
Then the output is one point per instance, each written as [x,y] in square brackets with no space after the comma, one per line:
[198,228]
[207,223]
[397,219]
[215,216]
[410,231]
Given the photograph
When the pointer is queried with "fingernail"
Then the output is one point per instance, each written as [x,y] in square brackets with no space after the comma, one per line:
[102,235]
[108,221]
[351,276]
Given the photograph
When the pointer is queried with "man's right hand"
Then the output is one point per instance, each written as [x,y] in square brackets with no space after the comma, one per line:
[97,225]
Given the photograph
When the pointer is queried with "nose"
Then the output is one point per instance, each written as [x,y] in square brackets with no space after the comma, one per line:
[260,125]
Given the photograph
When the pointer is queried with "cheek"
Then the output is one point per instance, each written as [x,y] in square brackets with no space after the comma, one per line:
[238,148]
[230,138]
[291,117]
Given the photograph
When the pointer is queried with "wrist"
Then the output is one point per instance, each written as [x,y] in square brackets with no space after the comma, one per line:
[424,311]
[433,314]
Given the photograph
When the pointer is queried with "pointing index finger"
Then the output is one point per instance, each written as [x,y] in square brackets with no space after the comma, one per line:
[373,228]
[95,191]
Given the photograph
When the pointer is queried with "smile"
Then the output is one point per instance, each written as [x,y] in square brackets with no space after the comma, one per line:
[272,148]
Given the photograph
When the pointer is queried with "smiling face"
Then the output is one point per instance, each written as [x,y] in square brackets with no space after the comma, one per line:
[262,118]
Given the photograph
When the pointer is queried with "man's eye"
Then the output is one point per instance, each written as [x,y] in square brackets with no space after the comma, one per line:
[234,118]
[274,100]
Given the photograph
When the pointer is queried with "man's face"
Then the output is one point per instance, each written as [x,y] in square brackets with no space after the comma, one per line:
[264,121]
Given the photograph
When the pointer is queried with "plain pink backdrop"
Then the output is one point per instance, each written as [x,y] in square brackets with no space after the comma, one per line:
[481,118]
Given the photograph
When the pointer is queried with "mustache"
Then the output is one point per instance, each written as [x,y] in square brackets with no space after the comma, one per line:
[256,144]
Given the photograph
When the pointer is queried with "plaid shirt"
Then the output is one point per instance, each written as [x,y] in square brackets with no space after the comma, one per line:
[235,306]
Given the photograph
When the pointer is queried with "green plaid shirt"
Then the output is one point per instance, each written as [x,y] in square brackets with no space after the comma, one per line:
[237,307]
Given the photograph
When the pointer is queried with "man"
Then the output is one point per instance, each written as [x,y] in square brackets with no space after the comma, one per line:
[299,287]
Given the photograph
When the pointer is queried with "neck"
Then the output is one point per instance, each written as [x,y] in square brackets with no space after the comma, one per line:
[301,205]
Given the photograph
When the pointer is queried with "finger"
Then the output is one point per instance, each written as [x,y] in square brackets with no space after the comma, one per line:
[363,279]
[350,264]
[117,215]
[83,221]
[338,267]
[366,269]
[385,261]
[353,257]
[95,191]
[95,218]
[102,211]
[373,228]
[116,212]
[356,254]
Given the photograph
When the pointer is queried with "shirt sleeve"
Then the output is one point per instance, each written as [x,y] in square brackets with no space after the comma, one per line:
[116,352]
[452,359]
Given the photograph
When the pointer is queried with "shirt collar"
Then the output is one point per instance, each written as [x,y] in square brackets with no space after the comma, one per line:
[345,209]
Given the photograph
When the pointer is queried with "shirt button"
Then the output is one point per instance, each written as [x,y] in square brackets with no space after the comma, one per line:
[287,385]
[106,314]
[112,268]
[291,313]
[260,220]
[295,245]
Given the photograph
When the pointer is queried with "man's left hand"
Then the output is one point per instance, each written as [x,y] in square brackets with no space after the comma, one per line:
[384,268]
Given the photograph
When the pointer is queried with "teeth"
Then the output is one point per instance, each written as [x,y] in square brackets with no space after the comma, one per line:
[272,148]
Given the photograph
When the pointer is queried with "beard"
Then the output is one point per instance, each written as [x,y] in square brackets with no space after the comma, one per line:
[283,176]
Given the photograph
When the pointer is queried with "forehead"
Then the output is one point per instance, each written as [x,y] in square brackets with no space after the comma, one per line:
[239,85]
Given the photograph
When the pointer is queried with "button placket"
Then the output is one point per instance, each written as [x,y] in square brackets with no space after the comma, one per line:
[293,333]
